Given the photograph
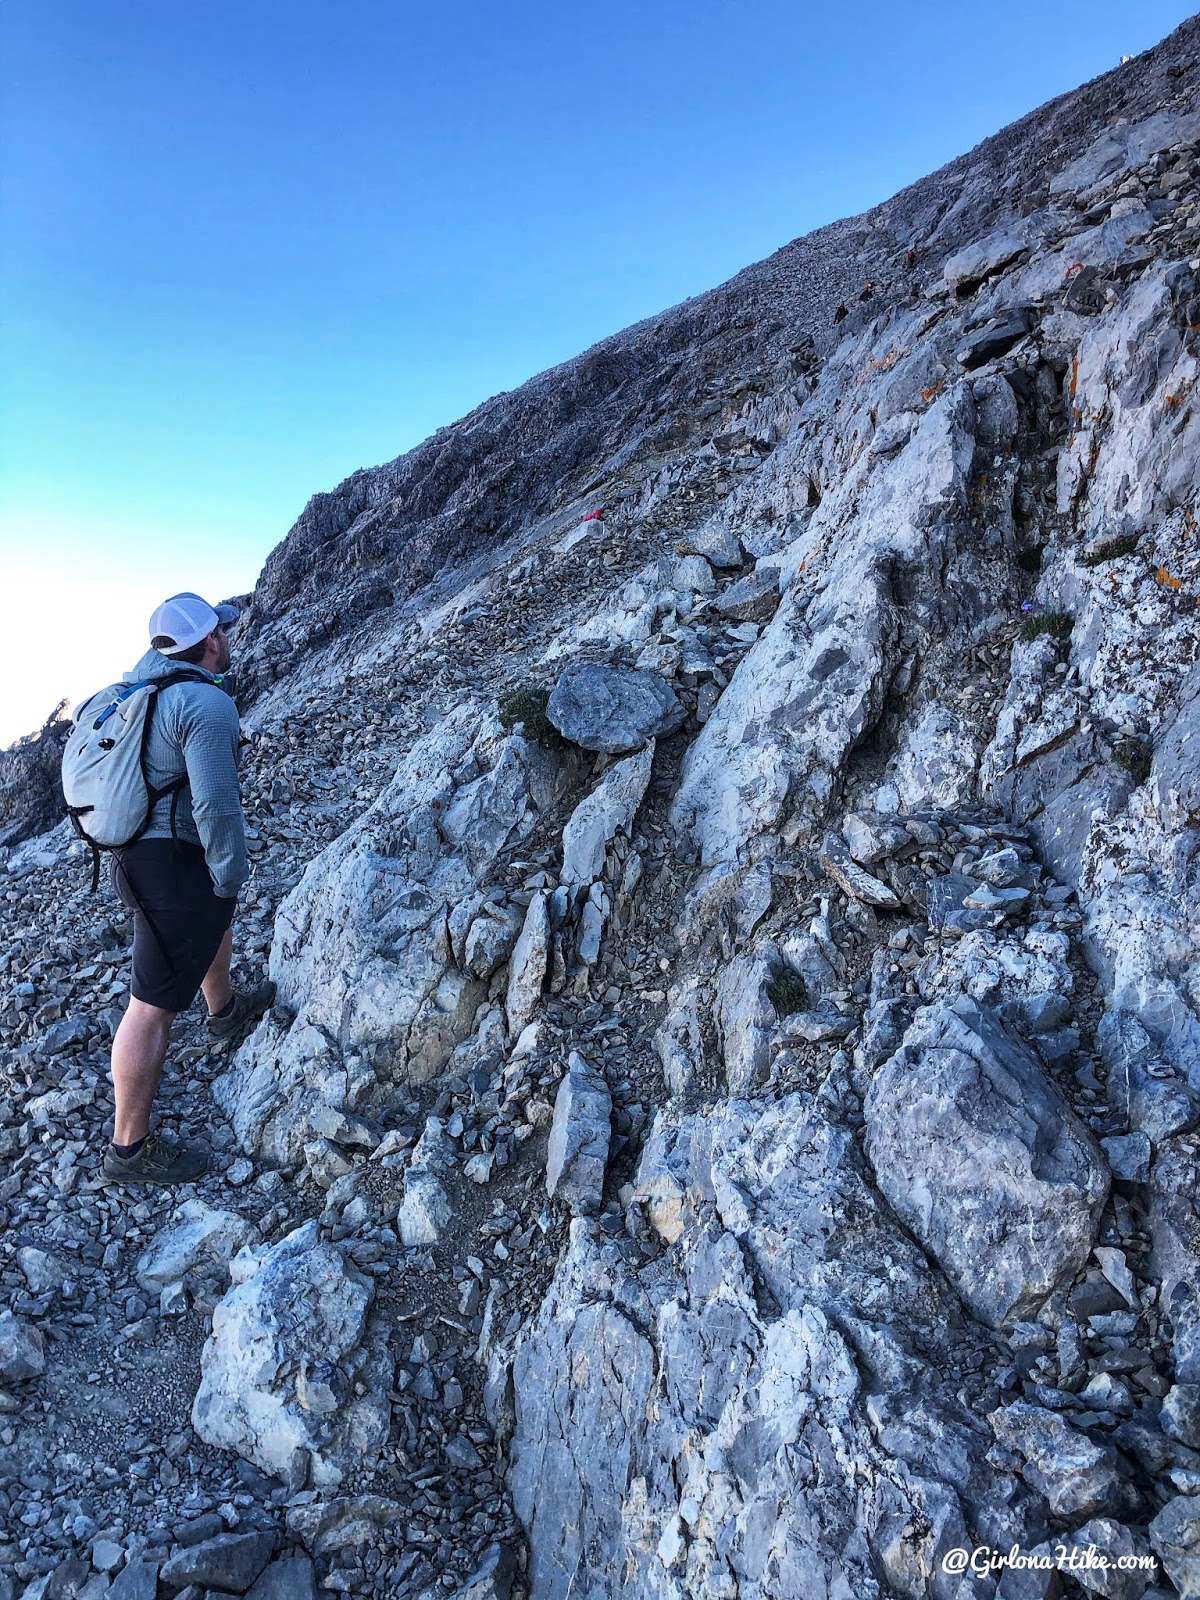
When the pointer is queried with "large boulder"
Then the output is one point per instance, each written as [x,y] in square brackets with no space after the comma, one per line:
[613,709]
[289,1351]
[979,1154]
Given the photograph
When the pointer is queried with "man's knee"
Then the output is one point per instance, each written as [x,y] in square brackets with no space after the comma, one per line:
[141,1017]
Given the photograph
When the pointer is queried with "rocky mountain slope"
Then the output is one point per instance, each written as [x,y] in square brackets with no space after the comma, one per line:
[729,1126]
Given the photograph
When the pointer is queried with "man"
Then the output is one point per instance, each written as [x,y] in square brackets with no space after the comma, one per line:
[180,879]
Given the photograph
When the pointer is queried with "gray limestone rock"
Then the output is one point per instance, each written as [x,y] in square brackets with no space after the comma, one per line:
[1175,1535]
[608,810]
[43,1271]
[838,863]
[935,764]
[871,837]
[946,904]
[1143,1087]
[1175,1234]
[718,544]
[230,1562]
[987,255]
[341,1522]
[745,1017]
[289,1347]
[671,1423]
[1078,1477]
[137,1580]
[527,969]
[1128,1156]
[287,1578]
[687,572]
[982,1158]
[22,1349]
[492,1579]
[1128,1570]
[798,703]
[1175,770]
[753,598]
[577,1154]
[995,338]
[1180,1414]
[362,949]
[756,1382]
[679,1038]
[31,795]
[63,1037]
[1119,148]
[489,937]
[425,1211]
[199,1240]
[613,709]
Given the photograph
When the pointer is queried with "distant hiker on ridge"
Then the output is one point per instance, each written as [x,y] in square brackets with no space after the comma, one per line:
[150,772]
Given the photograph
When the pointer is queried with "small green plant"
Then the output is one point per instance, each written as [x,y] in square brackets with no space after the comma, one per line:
[1110,550]
[1030,560]
[1134,755]
[1057,624]
[528,707]
[787,992]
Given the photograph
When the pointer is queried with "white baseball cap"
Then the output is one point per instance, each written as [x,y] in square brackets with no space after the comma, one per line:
[186,619]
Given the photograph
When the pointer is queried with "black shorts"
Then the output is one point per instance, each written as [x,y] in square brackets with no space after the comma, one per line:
[178,922]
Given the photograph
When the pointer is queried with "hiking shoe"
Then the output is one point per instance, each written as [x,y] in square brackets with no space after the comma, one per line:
[248,1006]
[160,1160]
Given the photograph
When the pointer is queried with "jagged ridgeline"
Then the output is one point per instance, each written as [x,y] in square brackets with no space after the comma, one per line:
[729,1126]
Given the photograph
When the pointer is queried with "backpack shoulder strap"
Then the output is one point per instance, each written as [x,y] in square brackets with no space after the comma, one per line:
[183,675]
[177,784]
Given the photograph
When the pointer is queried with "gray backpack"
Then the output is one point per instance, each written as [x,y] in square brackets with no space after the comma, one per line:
[109,797]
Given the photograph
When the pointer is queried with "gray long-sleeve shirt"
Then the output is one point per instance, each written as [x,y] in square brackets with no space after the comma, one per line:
[195,731]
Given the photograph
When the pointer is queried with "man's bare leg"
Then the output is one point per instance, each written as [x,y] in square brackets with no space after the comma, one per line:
[218,990]
[139,1050]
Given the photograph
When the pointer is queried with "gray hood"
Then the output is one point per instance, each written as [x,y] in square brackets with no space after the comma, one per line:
[155,665]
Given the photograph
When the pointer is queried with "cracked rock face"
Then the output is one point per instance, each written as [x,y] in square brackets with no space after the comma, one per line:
[688,1427]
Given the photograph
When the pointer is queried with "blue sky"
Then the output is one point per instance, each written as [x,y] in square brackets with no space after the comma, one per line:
[253,246]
